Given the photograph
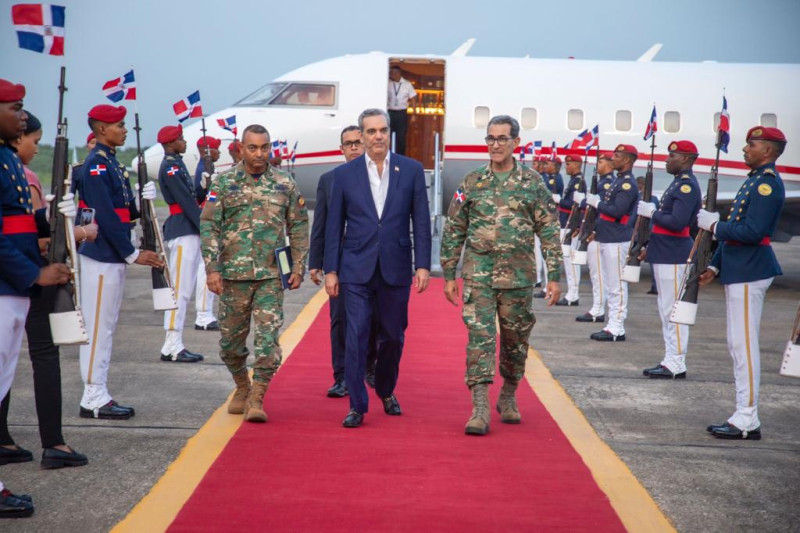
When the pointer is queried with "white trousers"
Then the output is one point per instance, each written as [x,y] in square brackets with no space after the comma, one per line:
[203,298]
[572,271]
[102,285]
[541,265]
[676,337]
[743,303]
[13,312]
[184,253]
[612,261]
[596,276]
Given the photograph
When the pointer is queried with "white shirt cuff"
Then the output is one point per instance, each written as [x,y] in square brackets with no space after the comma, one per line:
[131,259]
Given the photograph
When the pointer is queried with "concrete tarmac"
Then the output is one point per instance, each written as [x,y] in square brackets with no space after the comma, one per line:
[656,427]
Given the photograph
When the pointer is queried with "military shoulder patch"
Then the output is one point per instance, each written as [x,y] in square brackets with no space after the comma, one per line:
[626,186]
[764,189]
[606,186]
[458,196]
[551,182]
[686,188]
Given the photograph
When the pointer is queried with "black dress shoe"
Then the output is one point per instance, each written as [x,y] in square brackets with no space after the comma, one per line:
[338,390]
[109,411]
[391,407]
[20,455]
[606,336]
[130,409]
[370,379]
[213,326]
[539,294]
[13,506]
[588,317]
[537,285]
[712,427]
[53,458]
[729,431]
[662,372]
[564,301]
[184,356]
[353,420]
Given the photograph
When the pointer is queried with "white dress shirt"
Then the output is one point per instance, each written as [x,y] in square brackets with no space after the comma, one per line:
[378,183]
[399,94]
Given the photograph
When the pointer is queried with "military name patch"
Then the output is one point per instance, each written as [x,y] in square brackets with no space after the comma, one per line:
[626,186]
[764,189]
[686,188]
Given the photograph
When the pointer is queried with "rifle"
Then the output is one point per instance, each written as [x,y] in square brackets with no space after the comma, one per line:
[163,292]
[66,321]
[641,231]
[684,311]
[208,164]
[572,220]
[580,256]
[791,356]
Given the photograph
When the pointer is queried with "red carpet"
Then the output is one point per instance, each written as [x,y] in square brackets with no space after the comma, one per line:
[303,472]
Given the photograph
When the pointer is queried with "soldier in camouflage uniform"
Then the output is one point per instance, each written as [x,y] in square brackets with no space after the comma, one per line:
[494,214]
[247,211]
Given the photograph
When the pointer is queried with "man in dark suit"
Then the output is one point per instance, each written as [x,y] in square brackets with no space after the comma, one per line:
[376,196]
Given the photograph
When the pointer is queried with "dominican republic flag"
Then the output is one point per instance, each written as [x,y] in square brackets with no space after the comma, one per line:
[527,149]
[276,148]
[40,27]
[724,129]
[189,107]
[293,155]
[652,126]
[537,147]
[285,149]
[459,196]
[171,171]
[97,170]
[553,152]
[228,124]
[211,196]
[593,138]
[122,88]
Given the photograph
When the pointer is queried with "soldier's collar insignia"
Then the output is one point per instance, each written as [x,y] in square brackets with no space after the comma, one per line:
[770,171]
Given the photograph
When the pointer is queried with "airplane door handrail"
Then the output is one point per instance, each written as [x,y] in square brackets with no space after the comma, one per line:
[436,227]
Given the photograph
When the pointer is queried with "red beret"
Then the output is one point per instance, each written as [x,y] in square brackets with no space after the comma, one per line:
[90,137]
[167,134]
[212,142]
[235,146]
[683,147]
[10,92]
[108,113]
[573,159]
[605,154]
[627,149]
[554,159]
[762,133]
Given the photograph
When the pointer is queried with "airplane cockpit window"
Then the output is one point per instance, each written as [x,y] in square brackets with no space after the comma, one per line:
[262,96]
[306,94]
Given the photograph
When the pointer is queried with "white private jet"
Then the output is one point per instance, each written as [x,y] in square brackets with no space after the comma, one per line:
[553,99]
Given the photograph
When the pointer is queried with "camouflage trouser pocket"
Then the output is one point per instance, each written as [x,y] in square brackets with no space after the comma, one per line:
[467,292]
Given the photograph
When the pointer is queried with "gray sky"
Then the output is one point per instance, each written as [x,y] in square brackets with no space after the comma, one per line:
[228,49]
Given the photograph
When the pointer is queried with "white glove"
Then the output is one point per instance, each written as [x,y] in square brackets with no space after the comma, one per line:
[149,191]
[645,209]
[578,197]
[707,219]
[204,179]
[67,206]
[592,199]
[556,198]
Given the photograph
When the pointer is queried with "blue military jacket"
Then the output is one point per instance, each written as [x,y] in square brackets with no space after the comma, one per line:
[104,186]
[670,241]
[177,186]
[616,209]
[744,253]
[20,260]
[565,205]
[554,182]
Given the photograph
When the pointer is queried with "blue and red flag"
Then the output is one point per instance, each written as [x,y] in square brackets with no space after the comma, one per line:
[293,155]
[122,88]
[537,147]
[724,129]
[527,149]
[652,126]
[228,124]
[593,138]
[285,149]
[39,27]
[276,148]
[189,107]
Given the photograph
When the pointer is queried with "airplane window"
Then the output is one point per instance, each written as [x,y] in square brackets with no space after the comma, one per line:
[672,122]
[262,96]
[306,94]
[481,116]
[623,120]
[575,119]
[770,120]
[529,118]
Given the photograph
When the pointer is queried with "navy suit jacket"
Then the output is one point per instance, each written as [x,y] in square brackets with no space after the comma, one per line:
[370,238]
[316,249]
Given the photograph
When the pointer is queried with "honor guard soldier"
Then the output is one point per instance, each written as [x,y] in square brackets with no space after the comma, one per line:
[605,172]
[496,210]
[746,265]
[555,184]
[574,192]
[247,214]
[104,187]
[616,206]
[204,299]
[21,272]
[182,235]
[669,246]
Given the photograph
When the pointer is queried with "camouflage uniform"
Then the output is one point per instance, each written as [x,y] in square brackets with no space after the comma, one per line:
[497,220]
[242,223]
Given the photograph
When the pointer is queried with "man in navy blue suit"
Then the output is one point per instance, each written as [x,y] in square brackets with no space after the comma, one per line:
[376,196]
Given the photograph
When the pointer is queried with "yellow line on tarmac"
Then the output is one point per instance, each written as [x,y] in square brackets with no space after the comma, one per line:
[157,510]
[633,504]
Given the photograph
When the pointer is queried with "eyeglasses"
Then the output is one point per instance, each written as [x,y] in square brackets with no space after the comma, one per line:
[351,144]
[501,141]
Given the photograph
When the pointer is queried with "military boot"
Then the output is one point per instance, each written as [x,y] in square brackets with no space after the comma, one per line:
[478,424]
[254,407]
[236,407]
[507,403]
